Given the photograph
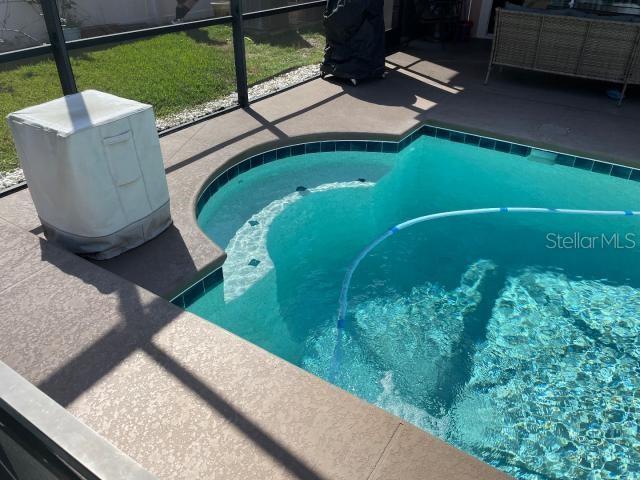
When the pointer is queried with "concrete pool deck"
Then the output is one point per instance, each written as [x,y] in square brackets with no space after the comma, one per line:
[186,399]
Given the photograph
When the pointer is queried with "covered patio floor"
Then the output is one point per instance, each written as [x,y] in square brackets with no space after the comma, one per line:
[186,399]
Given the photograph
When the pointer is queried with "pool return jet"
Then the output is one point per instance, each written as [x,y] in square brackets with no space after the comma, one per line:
[346,282]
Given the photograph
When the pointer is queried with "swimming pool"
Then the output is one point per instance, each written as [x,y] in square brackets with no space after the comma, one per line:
[513,337]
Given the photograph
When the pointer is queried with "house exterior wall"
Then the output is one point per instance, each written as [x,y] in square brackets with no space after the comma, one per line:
[474,10]
[21,25]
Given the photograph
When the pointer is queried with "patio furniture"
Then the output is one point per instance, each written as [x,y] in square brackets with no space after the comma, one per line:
[586,46]
[355,40]
[442,18]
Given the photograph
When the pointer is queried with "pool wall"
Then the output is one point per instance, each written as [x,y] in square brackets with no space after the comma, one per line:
[213,278]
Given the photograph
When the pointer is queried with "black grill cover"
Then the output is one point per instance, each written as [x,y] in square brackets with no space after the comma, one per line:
[355,38]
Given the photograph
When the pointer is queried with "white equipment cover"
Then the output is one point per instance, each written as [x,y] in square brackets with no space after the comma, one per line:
[95,172]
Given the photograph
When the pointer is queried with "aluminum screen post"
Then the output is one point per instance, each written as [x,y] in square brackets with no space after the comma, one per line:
[58,47]
[239,53]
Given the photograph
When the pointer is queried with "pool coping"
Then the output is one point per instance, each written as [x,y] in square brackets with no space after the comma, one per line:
[211,276]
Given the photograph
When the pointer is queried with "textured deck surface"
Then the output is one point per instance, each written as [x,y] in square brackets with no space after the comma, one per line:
[186,399]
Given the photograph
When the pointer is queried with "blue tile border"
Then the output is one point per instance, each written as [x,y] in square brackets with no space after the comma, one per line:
[520,150]
[428,131]
[386,146]
[621,172]
[602,167]
[472,140]
[583,163]
[374,146]
[313,147]
[389,147]
[269,156]
[443,133]
[297,149]
[342,146]
[457,137]
[566,160]
[488,143]
[198,289]
[504,147]
[358,146]
[284,152]
[329,146]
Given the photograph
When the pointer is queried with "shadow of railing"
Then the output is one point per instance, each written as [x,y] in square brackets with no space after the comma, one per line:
[264,125]
[140,321]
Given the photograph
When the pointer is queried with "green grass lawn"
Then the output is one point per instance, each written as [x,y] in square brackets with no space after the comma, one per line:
[171,72]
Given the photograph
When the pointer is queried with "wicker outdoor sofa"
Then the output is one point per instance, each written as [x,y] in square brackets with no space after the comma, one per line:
[585,47]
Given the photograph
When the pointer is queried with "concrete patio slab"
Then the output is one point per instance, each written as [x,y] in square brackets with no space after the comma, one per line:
[408,455]
[18,210]
[21,255]
[55,313]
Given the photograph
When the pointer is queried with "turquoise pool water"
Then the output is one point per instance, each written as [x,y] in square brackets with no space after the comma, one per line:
[481,330]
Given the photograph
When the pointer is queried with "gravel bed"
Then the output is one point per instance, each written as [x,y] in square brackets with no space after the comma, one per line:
[270,86]
[13,177]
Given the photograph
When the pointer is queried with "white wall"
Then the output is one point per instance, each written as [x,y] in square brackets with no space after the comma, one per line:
[153,12]
[21,24]
[480,17]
